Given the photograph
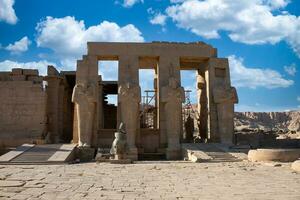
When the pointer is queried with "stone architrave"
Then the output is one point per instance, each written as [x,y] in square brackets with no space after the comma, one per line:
[84,95]
[225,100]
[129,97]
[173,96]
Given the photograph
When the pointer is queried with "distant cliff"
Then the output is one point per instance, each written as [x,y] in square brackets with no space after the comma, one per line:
[285,121]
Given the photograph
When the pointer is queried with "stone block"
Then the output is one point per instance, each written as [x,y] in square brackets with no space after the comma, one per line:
[85,154]
[281,155]
[18,78]
[17,71]
[296,166]
[121,161]
[30,72]
[5,76]
[36,79]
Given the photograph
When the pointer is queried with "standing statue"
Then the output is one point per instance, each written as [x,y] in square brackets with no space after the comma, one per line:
[129,97]
[173,96]
[119,146]
[85,97]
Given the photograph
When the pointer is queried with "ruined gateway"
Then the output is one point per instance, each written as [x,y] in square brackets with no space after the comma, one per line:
[70,106]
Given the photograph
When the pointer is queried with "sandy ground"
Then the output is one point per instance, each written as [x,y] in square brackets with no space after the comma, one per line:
[150,180]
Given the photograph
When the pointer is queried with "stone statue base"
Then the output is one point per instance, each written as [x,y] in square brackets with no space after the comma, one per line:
[121,161]
[173,154]
[85,154]
[132,154]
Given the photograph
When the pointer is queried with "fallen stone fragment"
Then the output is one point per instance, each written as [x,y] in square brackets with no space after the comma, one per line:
[296,166]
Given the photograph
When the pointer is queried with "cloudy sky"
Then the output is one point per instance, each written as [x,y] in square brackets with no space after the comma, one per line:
[261,39]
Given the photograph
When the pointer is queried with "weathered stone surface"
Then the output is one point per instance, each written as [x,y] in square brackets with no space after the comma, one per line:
[84,95]
[4,183]
[159,180]
[16,71]
[283,155]
[85,154]
[30,72]
[296,166]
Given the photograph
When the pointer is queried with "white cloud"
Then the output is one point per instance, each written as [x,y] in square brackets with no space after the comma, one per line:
[108,70]
[19,46]
[158,19]
[298,98]
[130,3]
[68,37]
[242,76]
[7,65]
[291,70]
[276,4]
[7,12]
[250,22]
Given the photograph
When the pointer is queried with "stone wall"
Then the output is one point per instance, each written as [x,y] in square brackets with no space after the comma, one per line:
[22,107]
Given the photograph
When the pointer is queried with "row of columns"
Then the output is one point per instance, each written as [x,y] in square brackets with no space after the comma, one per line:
[213,117]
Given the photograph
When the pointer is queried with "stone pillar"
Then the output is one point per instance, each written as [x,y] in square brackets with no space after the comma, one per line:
[85,96]
[171,96]
[54,107]
[202,104]
[221,101]
[129,98]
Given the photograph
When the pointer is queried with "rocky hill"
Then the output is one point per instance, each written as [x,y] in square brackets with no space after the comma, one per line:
[283,121]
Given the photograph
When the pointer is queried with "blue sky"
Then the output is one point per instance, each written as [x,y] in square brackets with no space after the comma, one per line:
[261,38]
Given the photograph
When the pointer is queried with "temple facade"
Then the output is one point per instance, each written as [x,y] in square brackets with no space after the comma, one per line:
[71,106]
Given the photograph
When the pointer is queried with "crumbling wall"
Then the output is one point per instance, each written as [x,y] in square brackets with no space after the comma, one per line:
[23,103]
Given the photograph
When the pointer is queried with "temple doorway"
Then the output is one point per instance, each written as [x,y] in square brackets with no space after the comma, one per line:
[190,113]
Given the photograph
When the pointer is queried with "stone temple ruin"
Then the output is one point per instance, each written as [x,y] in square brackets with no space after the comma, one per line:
[71,107]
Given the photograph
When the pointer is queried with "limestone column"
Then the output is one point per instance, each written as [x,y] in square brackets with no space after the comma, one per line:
[54,99]
[202,104]
[85,96]
[221,101]
[129,98]
[171,96]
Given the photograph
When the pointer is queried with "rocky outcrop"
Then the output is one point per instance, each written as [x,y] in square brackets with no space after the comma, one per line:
[281,121]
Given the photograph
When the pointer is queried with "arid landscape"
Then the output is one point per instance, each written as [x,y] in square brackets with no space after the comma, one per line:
[285,124]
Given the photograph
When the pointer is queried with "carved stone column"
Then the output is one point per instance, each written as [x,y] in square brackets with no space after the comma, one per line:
[129,98]
[221,101]
[85,96]
[202,105]
[171,96]
[54,107]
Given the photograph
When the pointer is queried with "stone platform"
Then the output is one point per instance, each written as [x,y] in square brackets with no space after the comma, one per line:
[40,154]
[150,180]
